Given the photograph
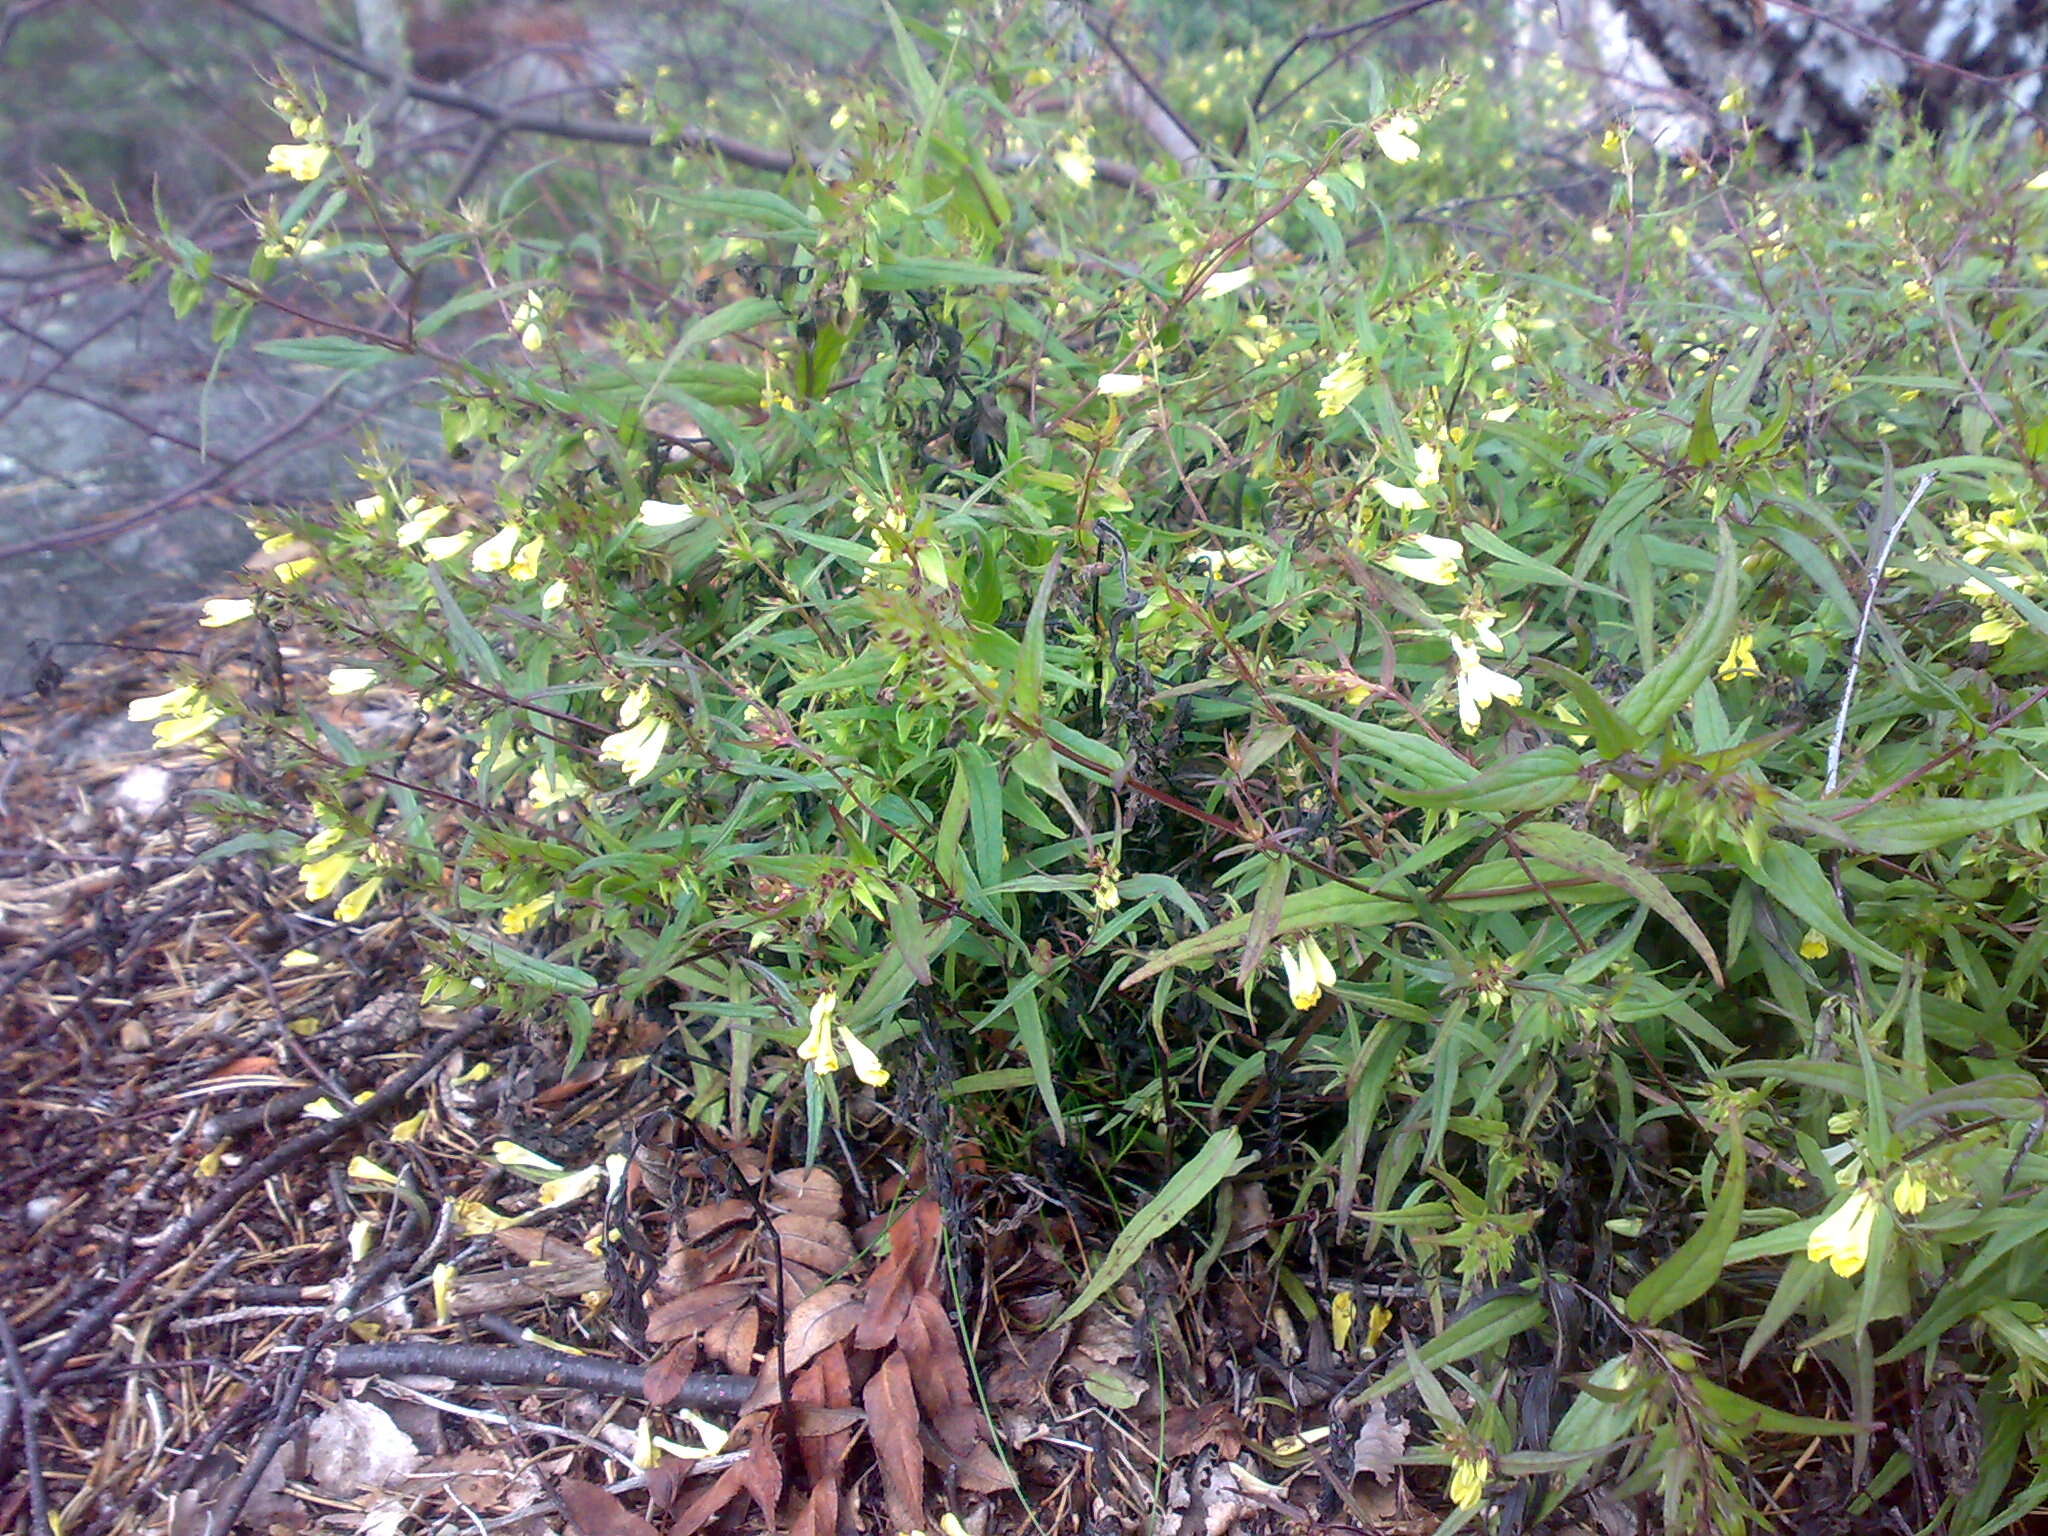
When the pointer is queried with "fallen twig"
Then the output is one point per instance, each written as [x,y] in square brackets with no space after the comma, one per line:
[515,1365]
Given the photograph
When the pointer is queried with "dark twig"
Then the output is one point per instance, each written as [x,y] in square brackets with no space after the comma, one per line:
[533,1365]
[95,1319]
[31,1406]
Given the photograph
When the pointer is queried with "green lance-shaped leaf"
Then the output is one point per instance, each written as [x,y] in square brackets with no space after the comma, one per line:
[1691,1271]
[1669,686]
[1914,826]
[1794,879]
[1588,855]
[1217,1161]
[1529,781]
[1611,734]
[1491,1323]
[1330,905]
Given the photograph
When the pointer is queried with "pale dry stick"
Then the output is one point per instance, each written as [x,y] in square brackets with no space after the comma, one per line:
[1873,579]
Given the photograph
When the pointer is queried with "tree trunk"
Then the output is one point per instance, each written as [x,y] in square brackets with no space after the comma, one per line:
[1817,73]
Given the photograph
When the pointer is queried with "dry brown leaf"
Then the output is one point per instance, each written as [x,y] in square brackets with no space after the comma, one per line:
[1026,1369]
[824,1388]
[891,1402]
[908,1268]
[979,1471]
[731,1343]
[1380,1445]
[707,1219]
[758,1474]
[595,1511]
[700,1309]
[667,1372]
[816,1242]
[940,1374]
[818,1322]
[807,1192]
[819,1515]
[1186,1431]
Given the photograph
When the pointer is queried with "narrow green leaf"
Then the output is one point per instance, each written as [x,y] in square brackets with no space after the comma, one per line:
[1217,1161]
[1669,686]
[1534,780]
[1703,447]
[1794,879]
[1915,826]
[933,272]
[1494,1322]
[1611,734]
[1690,1272]
[1589,855]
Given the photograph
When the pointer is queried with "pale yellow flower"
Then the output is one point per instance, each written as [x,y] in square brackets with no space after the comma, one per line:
[1308,972]
[181,715]
[867,1066]
[357,901]
[1842,1241]
[1119,385]
[2038,182]
[1479,685]
[1107,897]
[637,748]
[1075,162]
[322,875]
[1996,627]
[523,916]
[526,564]
[666,514]
[1341,385]
[1813,945]
[1402,498]
[1217,284]
[1468,1480]
[1395,136]
[1318,193]
[220,612]
[1740,660]
[301,162]
[556,594]
[1436,565]
[420,521]
[345,680]
[817,1048]
[495,553]
[1429,464]
[447,546]
[1911,1193]
[551,786]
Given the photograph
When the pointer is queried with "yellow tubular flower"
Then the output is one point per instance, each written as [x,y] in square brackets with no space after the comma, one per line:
[495,553]
[1436,565]
[301,162]
[867,1066]
[1740,660]
[1479,685]
[817,1048]
[1340,386]
[1119,385]
[1842,1241]
[1910,1193]
[1308,972]
[1402,498]
[1468,1480]
[1396,138]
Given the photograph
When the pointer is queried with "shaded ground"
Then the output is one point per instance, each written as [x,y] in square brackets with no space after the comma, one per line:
[128,450]
[240,1161]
